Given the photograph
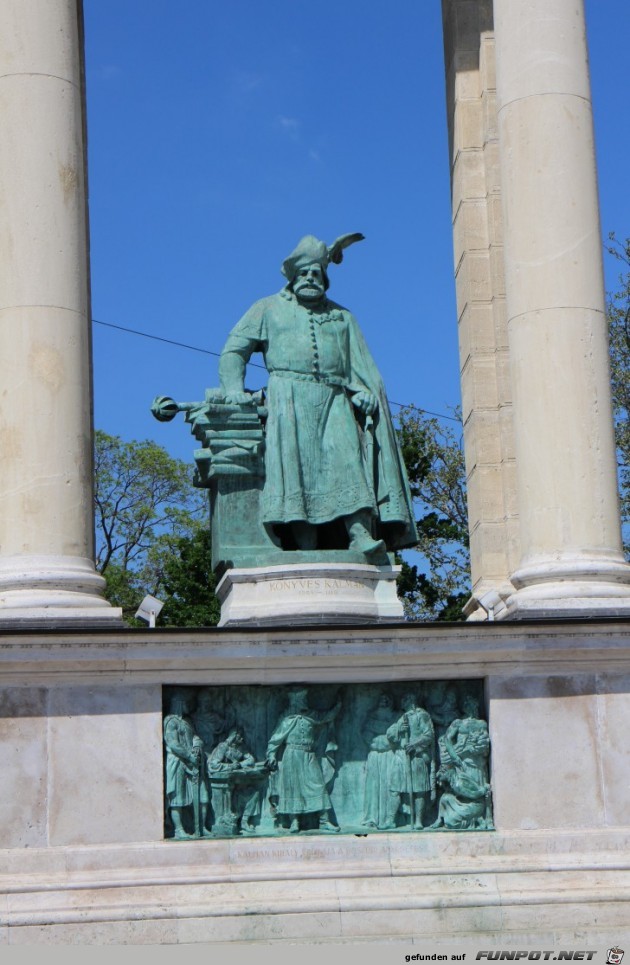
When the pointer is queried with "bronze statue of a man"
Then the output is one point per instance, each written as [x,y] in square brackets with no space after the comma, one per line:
[331,450]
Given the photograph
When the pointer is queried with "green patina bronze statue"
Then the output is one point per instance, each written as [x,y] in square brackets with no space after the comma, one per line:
[331,451]
[311,469]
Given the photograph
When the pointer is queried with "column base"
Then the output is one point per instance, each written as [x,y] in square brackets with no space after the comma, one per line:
[569,588]
[309,593]
[53,591]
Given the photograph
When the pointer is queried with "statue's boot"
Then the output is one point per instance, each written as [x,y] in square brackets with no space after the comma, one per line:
[358,527]
[393,806]
[182,835]
[418,808]
[326,825]
[295,826]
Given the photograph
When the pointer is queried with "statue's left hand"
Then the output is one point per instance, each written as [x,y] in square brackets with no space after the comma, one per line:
[365,401]
[239,397]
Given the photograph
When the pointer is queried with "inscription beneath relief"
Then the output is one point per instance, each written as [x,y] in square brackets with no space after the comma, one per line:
[314,586]
[323,759]
[307,854]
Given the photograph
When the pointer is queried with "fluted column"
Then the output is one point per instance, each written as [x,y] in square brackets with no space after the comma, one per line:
[46,517]
[572,560]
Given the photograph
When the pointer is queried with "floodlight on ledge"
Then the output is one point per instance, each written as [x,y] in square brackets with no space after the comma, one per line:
[149,610]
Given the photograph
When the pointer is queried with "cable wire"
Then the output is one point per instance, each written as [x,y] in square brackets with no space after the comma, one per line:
[207,351]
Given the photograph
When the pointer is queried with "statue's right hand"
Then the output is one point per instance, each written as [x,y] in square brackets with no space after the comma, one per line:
[239,397]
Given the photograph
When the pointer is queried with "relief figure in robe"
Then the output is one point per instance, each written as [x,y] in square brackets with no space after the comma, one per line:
[381,799]
[301,786]
[414,736]
[186,787]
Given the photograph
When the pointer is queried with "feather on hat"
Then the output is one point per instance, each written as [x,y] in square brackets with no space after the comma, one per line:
[312,251]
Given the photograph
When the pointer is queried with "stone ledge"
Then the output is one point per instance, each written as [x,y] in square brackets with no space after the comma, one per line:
[399,652]
[565,886]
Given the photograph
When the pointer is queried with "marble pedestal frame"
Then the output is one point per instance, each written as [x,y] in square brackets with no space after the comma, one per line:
[85,861]
[311,593]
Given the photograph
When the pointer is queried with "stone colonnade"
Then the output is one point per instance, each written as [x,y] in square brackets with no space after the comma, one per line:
[544,517]
[47,569]
[544,513]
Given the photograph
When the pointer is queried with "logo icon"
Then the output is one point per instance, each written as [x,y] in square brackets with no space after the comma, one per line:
[614,956]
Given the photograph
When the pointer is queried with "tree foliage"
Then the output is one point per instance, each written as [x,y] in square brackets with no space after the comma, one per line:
[619,329]
[435,465]
[148,517]
[189,583]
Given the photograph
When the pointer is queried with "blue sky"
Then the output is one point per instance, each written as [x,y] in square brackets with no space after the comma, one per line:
[220,133]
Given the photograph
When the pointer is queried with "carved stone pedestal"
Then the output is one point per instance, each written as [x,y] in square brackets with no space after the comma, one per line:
[84,854]
[309,593]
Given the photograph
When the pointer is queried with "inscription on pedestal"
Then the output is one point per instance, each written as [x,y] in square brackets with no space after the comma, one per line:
[316,586]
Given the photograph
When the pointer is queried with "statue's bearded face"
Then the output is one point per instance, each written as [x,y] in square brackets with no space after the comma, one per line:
[308,283]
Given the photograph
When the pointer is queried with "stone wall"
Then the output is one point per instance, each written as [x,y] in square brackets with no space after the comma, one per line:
[83,851]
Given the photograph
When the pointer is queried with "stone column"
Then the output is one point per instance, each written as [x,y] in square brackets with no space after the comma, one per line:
[47,569]
[482,323]
[571,560]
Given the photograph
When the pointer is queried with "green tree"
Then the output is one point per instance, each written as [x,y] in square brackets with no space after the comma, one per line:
[619,329]
[435,465]
[147,515]
[189,583]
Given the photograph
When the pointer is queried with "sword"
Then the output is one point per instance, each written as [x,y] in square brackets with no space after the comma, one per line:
[197,793]
[370,464]
[409,774]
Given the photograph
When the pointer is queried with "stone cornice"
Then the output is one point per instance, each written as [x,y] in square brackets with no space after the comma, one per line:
[408,651]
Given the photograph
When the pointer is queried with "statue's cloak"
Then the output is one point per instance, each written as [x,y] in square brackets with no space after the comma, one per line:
[321,461]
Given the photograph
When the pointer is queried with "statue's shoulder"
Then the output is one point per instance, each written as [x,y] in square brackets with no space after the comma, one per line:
[336,307]
[172,722]
[344,315]
[270,305]
[261,306]
[253,323]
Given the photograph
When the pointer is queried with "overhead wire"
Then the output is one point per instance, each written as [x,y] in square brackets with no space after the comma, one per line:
[207,351]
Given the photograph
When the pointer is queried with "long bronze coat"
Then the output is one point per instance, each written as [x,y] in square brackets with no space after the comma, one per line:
[320,464]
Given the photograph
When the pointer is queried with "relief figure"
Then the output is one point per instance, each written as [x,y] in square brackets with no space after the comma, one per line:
[186,785]
[465,803]
[381,800]
[236,780]
[300,785]
[414,777]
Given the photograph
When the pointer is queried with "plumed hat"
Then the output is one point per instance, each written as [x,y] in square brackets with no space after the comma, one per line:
[312,251]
